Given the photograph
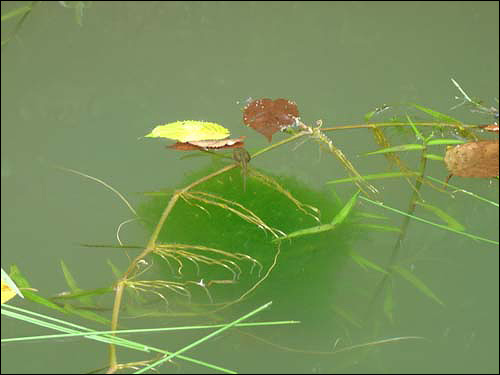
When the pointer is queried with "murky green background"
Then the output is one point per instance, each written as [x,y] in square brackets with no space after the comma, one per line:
[80,96]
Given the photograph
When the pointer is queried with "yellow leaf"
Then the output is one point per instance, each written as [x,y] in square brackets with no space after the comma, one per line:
[7,292]
[189,130]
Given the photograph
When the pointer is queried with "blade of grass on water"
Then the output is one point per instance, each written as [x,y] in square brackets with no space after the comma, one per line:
[198,342]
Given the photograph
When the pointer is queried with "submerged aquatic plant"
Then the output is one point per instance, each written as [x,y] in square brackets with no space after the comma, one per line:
[211,234]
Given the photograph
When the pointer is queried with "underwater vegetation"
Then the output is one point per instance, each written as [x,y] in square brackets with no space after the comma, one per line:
[232,233]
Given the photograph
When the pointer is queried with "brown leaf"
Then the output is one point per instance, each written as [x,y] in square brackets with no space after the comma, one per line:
[209,144]
[473,159]
[267,116]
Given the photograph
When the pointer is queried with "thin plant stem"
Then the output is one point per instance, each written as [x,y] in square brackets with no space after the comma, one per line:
[403,229]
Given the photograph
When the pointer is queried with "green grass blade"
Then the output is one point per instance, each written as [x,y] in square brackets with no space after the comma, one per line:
[416,282]
[24,284]
[458,189]
[306,232]
[450,221]
[406,147]
[198,342]
[143,330]
[434,157]
[384,228]
[16,12]
[70,280]
[474,237]
[437,115]
[346,210]
[347,316]
[389,302]
[444,141]
[369,215]
[415,129]
[86,314]
[376,176]
[365,263]
[337,220]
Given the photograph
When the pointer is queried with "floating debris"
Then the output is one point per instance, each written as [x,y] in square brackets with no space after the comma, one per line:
[268,116]
[209,144]
[473,159]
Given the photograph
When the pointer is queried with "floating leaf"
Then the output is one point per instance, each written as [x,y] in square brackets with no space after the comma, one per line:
[188,131]
[268,116]
[473,159]
[209,144]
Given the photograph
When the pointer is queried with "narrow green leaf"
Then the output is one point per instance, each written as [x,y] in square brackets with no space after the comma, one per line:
[452,222]
[365,263]
[90,315]
[407,147]
[459,189]
[84,293]
[306,231]
[473,236]
[434,157]
[16,12]
[415,129]
[337,220]
[444,141]
[344,212]
[437,115]
[200,341]
[376,176]
[347,316]
[369,115]
[71,282]
[32,296]
[369,215]
[69,278]
[386,228]
[389,302]
[24,284]
[116,272]
[417,283]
